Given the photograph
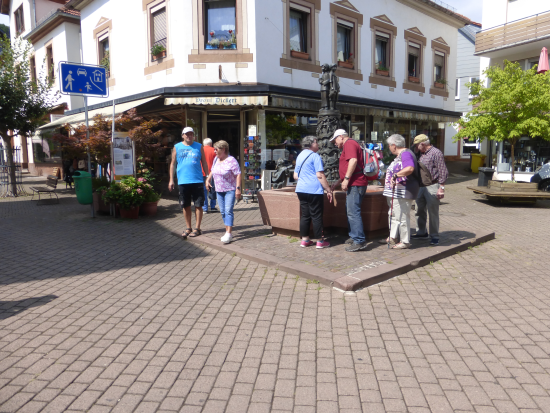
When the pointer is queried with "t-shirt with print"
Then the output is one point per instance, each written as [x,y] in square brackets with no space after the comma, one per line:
[352,150]
[308,164]
[189,168]
[225,174]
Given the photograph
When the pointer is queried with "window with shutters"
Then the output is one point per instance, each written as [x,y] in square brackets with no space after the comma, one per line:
[33,68]
[19,20]
[382,54]
[415,44]
[159,32]
[383,66]
[439,70]
[414,62]
[49,63]
[346,44]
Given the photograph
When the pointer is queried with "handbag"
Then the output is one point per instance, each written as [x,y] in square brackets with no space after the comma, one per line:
[212,191]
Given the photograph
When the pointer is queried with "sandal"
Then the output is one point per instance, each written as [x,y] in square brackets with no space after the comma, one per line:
[385,241]
[401,246]
[186,233]
[196,232]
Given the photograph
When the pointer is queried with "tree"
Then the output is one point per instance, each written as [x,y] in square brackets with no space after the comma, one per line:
[516,103]
[23,101]
[145,134]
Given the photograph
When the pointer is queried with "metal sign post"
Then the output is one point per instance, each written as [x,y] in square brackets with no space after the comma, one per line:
[79,79]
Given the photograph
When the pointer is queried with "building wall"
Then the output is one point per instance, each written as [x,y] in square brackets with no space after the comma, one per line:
[269,16]
[44,8]
[129,50]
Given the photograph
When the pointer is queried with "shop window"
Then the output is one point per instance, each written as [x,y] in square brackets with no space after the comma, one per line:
[298,20]
[457,89]
[382,54]
[414,62]
[45,150]
[49,63]
[159,31]
[33,68]
[439,70]
[344,41]
[220,24]
[19,18]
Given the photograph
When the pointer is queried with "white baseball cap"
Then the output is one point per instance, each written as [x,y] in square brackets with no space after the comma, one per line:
[339,132]
[187,129]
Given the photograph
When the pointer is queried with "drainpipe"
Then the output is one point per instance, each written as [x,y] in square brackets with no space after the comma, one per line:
[34,10]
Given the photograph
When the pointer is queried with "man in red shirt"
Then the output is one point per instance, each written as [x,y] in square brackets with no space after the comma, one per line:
[354,182]
[209,154]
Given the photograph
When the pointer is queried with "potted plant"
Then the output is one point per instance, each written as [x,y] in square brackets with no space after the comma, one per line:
[106,63]
[299,55]
[213,44]
[229,45]
[414,79]
[127,195]
[348,64]
[158,51]
[99,185]
[440,83]
[151,199]
[382,70]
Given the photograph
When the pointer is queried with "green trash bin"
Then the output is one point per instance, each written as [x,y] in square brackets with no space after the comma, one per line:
[83,187]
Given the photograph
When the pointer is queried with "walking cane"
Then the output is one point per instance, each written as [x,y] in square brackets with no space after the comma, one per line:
[391,213]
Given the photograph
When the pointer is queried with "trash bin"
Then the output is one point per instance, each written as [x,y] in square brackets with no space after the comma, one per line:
[485,175]
[83,187]
[477,161]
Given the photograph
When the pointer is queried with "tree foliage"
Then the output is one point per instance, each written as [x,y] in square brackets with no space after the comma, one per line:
[145,134]
[516,104]
[24,101]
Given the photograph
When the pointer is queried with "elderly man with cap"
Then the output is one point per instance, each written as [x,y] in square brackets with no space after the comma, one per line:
[427,201]
[354,182]
[191,161]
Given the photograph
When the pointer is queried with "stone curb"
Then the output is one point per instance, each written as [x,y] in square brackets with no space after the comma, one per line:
[339,280]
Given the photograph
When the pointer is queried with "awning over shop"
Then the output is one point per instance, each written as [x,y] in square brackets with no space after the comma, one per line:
[219,100]
[107,111]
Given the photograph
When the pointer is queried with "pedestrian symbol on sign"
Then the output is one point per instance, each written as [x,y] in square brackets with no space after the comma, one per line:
[69,79]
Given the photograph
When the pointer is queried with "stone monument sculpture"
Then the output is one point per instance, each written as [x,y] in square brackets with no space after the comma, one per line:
[329,120]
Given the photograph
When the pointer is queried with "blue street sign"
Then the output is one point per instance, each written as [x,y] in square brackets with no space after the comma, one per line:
[82,79]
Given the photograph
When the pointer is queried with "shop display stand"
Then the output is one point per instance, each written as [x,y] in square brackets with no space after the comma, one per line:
[252,169]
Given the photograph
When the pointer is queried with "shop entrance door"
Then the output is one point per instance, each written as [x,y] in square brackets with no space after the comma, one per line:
[225,125]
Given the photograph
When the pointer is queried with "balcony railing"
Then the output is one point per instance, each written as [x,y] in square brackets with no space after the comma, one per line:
[513,33]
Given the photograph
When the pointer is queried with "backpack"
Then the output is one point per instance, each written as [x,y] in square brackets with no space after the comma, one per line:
[421,172]
[371,168]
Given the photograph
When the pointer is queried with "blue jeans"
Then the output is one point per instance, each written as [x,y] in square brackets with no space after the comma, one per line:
[212,201]
[354,199]
[227,202]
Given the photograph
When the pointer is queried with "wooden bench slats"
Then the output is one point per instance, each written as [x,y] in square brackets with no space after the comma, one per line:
[51,185]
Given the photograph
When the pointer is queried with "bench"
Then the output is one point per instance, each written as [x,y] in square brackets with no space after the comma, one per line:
[51,185]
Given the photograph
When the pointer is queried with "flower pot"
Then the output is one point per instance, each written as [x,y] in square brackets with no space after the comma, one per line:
[220,46]
[130,213]
[414,79]
[347,65]
[299,55]
[148,209]
[439,85]
[99,204]
[159,55]
[383,72]
[231,47]
[210,47]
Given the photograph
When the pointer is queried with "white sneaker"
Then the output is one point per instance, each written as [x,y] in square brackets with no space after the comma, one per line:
[226,239]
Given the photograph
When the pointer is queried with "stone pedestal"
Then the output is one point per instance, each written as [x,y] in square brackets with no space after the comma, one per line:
[280,209]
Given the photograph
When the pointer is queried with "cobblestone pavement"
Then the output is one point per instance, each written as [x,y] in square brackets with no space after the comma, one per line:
[110,315]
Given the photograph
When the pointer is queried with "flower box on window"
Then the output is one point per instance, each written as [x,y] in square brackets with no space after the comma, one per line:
[347,65]
[299,55]
[439,85]
[160,55]
[232,46]
[383,72]
[414,79]
[211,47]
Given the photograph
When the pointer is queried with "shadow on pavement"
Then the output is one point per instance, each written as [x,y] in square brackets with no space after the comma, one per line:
[11,308]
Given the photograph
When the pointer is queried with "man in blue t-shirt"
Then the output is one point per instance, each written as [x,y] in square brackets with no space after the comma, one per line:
[189,156]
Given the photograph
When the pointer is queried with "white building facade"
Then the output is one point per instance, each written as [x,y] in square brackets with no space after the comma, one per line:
[230,67]
[515,31]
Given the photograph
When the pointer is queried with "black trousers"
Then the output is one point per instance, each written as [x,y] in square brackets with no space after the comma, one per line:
[311,209]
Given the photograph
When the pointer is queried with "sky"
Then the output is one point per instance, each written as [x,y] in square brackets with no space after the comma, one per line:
[469,8]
